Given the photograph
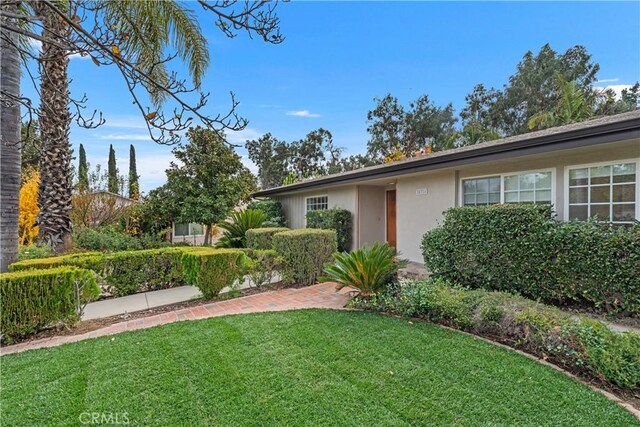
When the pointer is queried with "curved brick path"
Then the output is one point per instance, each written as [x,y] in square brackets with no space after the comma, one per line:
[323,295]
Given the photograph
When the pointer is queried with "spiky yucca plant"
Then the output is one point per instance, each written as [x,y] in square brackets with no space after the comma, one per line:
[238,224]
[367,269]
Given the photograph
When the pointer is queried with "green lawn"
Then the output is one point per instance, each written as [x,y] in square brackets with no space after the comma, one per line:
[309,367]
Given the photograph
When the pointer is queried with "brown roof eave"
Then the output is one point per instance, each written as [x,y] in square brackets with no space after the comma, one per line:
[608,132]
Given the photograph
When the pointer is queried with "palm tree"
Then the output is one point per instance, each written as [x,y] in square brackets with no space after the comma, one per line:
[574,105]
[10,144]
[150,28]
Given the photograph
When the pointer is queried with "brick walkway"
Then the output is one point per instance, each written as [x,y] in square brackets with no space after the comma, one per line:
[323,295]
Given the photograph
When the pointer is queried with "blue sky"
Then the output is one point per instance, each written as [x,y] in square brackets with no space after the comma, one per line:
[338,56]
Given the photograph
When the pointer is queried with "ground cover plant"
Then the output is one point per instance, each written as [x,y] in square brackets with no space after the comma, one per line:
[582,345]
[523,249]
[310,367]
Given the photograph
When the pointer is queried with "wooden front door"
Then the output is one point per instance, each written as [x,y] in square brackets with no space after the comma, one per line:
[391,217]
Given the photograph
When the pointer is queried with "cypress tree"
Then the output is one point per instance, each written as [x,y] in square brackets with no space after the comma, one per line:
[113,172]
[83,171]
[134,192]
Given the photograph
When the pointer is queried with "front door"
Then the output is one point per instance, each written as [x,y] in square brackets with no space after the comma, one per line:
[391,217]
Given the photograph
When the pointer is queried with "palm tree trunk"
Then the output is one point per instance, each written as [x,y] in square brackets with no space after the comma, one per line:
[10,150]
[54,194]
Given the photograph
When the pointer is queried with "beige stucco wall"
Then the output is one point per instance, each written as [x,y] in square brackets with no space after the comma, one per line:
[371,210]
[416,214]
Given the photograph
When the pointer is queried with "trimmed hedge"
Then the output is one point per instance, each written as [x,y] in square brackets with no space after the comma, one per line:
[212,270]
[582,345]
[126,272]
[337,219]
[263,266]
[51,262]
[521,248]
[34,299]
[262,238]
[272,209]
[304,253]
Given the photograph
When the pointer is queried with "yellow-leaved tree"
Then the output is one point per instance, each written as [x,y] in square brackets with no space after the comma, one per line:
[28,213]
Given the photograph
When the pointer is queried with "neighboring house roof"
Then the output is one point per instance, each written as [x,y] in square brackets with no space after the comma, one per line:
[596,131]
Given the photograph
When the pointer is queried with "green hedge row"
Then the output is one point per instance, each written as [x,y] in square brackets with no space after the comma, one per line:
[211,271]
[129,272]
[34,299]
[272,209]
[521,248]
[582,345]
[337,219]
[262,238]
[304,253]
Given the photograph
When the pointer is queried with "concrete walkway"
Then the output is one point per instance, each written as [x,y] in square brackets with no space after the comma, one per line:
[323,295]
[144,301]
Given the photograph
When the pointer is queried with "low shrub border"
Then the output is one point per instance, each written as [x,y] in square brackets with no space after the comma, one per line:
[521,248]
[262,238]
[304,253]
[125,272]
[34,299]
[211,271]
[578,344]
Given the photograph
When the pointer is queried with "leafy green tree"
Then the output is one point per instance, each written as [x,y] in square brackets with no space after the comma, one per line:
[209,181]
[309,154]
[608,103]
[477,116]
[113,171]
[533,88]
[573,105]
[134,189]
[272,156]
[83,171]
[396,131]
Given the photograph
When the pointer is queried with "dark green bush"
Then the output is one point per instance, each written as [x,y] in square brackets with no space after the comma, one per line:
[337,219]
[273,211]
[263,266]
[582,345]
[106,238]
[304,253]
[34,299]
[368,269]
[212,270]
[521,248]
[262,238]
[51,262]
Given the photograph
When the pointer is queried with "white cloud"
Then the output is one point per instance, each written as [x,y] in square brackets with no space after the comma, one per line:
[302,113]
[240,137]
[249,164]
[125,137]
[36,45]
[617,89]
[607,80]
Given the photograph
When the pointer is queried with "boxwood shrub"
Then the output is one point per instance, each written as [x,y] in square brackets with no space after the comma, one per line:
[522,248]
[582,345]
[212,270]
[262,238]
[125,272]
[34,299]
[337,219]
[304,253]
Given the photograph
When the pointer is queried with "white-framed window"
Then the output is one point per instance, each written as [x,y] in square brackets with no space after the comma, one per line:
[191,229]
[481,191]
[515,187]
[528,187]
[606,191]
[316,203]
